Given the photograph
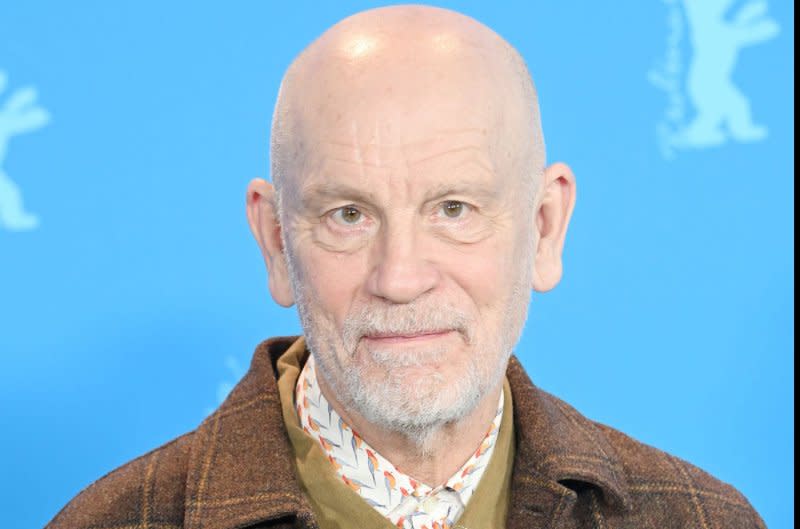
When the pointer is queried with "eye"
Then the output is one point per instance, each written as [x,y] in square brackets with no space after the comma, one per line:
[453,208]
[347,215]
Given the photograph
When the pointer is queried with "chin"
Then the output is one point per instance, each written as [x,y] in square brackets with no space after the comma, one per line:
[411,399]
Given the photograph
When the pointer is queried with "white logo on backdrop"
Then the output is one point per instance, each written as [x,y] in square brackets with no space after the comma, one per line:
[716,34]
[236,372]
[18,115]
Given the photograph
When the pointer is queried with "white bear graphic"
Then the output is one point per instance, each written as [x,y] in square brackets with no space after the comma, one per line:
[722,109]
[19,114]
[717,32]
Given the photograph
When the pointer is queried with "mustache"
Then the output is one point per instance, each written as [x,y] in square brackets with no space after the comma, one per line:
[418,318]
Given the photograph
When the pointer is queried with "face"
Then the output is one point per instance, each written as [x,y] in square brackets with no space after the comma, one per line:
[409,243]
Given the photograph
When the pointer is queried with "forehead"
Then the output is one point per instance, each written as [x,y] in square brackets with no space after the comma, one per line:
[381,130]
[406,112]
[400,155]
[403,107]
[372,149]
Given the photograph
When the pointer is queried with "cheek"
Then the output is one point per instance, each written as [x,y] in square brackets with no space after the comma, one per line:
[484,272]
[333,279]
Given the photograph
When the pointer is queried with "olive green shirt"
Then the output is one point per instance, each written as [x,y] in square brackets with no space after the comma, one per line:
[336,506]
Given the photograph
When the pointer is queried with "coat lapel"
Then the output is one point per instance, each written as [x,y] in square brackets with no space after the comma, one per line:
[559,452]
[241,469]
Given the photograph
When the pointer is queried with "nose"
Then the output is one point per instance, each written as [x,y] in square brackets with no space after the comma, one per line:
[401,270]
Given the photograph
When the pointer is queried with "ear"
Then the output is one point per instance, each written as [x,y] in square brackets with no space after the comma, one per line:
[262,216]
[552,215]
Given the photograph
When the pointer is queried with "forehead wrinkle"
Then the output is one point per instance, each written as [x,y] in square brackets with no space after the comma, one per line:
[358,162]
[378,140]
[465,134]
[473,149]
[444,142]
[331,167]
[359,155]
[487,167]
[354,153]
[443,189]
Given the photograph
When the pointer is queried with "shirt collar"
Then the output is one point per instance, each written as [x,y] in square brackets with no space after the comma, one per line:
[241,469]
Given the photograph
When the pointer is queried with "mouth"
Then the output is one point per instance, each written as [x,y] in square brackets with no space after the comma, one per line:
[404,338]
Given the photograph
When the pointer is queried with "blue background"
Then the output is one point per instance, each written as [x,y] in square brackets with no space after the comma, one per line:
[141,297]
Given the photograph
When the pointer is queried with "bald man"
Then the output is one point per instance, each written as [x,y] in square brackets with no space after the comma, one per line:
[410,215]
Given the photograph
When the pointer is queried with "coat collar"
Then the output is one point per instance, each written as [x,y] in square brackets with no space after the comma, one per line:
[241,468]
[559,452]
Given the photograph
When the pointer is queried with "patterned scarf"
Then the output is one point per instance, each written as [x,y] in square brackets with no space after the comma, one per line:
[407,503]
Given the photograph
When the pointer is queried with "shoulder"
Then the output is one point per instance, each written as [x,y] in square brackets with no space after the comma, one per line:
[638,485]
[147,491]
[666,487]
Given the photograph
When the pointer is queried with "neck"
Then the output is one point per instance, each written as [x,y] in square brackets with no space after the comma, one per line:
[439,453]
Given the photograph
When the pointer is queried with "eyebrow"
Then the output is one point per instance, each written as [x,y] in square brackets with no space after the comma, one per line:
[461,188]
[314,194]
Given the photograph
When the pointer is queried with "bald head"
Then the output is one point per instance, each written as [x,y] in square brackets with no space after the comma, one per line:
[398,75]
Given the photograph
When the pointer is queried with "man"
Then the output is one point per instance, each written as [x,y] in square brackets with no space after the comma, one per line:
[410,216]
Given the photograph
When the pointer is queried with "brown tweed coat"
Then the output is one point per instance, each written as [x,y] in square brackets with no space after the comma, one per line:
[236,470]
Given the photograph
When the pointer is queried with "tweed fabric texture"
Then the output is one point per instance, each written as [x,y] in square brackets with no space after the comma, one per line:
[236,471]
